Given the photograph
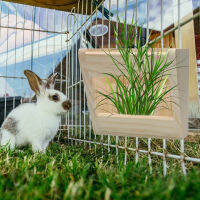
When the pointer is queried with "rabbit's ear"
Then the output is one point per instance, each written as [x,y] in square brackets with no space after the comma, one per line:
[35,81]
[51,81]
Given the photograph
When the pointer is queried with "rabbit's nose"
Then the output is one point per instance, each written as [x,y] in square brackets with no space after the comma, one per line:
[66,105]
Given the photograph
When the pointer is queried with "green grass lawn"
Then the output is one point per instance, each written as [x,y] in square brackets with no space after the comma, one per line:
[74,172]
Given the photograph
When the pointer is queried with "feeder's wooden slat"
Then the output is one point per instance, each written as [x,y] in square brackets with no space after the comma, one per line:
[168,123]
[139,126]
[63,5]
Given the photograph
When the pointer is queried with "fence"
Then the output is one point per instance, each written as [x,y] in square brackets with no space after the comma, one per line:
[47,41]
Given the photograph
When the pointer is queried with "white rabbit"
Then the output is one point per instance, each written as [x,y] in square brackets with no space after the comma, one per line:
[35,123]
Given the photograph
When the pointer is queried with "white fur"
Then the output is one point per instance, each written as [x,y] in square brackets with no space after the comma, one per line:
[37,123]
[8,139]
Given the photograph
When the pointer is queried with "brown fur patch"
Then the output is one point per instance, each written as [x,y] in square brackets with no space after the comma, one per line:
[66,105]
[34,81]
[10,124]
[51,81]
[51,97]
[47,85]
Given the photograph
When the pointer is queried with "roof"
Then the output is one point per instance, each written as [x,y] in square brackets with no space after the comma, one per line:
[64,5]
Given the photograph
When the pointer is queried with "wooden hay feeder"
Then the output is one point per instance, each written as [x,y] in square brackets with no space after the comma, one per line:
[169,122]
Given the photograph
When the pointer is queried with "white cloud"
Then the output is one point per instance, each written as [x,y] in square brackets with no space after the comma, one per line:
[169,11]
[41,48]
[11,37]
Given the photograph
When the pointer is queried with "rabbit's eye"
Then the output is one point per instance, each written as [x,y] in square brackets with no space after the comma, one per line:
[55,97]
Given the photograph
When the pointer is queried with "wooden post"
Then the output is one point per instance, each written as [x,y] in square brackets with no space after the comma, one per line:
[188,42]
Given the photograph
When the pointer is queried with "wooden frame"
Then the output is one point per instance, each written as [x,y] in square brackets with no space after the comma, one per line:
[166,123]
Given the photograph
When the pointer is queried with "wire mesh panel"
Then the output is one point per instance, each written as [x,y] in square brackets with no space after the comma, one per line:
[96,31]
[30,38]
[47,41]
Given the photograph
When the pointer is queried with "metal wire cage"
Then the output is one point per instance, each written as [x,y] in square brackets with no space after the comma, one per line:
[51,45]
